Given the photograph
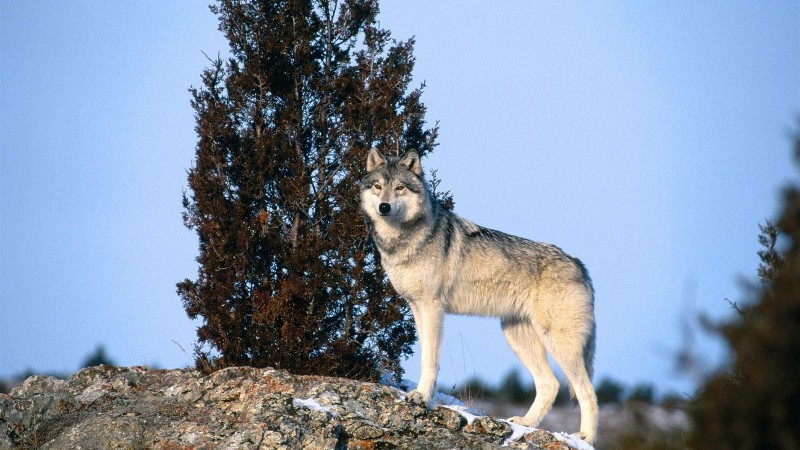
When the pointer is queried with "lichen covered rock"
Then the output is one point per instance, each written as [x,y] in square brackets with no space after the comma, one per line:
[235,408]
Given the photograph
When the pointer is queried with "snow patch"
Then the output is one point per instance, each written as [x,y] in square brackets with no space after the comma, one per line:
[471,414]
[573,441]
[467,413]
[440,399]
[312,404]
[517,432]
[403,385]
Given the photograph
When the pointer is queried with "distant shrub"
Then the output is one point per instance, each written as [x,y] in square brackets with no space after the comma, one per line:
[98,357]
[642,392]
[514,391]
[609,391]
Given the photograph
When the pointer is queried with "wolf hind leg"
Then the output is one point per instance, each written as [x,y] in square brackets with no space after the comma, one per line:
[566,346]
[524,341]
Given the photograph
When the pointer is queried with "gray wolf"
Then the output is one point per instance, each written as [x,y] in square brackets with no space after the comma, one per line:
[441,263]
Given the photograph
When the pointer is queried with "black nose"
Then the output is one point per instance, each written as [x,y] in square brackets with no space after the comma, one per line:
[384,208]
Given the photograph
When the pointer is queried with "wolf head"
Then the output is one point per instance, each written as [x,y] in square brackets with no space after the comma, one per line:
[394,190]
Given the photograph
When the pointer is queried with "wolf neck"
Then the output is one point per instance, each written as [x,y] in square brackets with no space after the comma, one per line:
[401,241]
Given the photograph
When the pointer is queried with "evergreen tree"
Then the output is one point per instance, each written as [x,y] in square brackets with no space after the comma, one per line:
[756,404]
[287,275]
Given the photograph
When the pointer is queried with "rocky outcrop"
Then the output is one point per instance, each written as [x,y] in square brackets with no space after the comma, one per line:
[239,408]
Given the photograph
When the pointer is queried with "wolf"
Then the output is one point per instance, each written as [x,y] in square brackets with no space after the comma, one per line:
[441,263]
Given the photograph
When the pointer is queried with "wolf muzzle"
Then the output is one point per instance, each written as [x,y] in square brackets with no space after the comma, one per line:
[384,208]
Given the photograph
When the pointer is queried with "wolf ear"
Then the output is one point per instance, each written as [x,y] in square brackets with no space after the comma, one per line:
[411,162]
[374,159]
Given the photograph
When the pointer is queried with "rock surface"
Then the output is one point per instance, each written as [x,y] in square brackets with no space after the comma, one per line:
[237,408]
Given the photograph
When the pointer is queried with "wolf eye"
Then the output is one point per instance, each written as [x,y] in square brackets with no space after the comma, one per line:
[376,186]
[400,188]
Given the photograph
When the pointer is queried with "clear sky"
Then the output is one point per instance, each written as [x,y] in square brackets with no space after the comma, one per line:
[648,139]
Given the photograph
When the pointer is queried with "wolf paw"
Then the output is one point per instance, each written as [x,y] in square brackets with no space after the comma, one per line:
[417,398]
[524,421]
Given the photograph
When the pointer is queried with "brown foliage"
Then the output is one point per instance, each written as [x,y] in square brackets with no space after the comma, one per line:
[287,275]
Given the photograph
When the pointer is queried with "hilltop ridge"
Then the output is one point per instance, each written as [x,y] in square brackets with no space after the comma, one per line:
[240,408]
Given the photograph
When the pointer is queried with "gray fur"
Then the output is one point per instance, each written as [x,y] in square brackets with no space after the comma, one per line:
[441,263]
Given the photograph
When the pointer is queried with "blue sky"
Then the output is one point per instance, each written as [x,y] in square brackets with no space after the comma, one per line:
[648,139]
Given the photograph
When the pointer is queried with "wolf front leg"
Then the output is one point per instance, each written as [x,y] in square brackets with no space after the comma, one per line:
[428,317]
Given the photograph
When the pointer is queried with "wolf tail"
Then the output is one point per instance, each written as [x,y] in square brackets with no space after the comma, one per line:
[588,352]
[589,345]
